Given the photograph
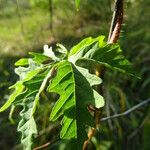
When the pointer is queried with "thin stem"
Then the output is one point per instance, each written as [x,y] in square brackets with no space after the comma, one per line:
[11,114]
[113,22]
[46,144]
[43,146]
[126,112]
[116,22]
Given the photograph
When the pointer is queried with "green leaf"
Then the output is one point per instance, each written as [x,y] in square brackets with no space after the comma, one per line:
[39,58]
[25,74]
[27,93]
[86,43]
[75,95]
[22,62]
[18,89]
[99,52]
[92,79]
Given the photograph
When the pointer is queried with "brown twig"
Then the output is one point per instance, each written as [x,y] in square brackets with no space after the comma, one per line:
[91,133]
[42,146]
[116,22]
[46,144]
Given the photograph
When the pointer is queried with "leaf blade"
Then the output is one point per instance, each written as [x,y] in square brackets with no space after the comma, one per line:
[75,94]
[18,89]
[97,51]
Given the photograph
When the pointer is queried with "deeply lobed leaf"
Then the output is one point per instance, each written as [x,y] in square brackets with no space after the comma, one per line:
[72,83]
[97,51]
[32,81]
[75,95]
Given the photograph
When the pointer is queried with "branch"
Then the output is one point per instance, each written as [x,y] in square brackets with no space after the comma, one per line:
[43,146]
[128,111]
[116,23]
[46,144]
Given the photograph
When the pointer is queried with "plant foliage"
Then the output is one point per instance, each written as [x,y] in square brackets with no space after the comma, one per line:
[61,72]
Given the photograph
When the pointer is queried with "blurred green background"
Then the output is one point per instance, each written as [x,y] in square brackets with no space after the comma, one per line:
[26,25]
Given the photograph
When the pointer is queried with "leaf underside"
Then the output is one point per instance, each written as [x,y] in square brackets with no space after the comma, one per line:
[27,92]
[29,99]
[27,125]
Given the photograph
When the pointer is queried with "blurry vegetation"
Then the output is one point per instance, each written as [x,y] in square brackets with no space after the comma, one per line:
[25,25]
